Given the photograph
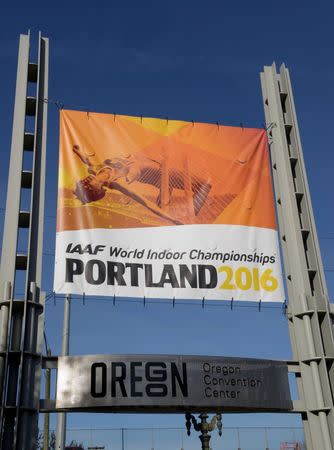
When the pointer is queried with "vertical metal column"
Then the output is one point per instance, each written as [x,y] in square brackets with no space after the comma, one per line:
[309,311]
[46,430]
[22,320]
[65,347]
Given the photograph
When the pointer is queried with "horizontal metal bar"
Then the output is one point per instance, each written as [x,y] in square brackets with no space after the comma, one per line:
[50,362]
[293,367]
[298,406]
[47,405]
[50,406]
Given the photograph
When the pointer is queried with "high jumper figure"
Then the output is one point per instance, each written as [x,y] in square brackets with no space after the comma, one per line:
[120,172]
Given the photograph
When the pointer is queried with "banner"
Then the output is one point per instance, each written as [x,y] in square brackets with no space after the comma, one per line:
[165,209]
[162,383]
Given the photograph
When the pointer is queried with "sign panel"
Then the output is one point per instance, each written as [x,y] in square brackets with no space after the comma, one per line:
[133,383]
[163,208]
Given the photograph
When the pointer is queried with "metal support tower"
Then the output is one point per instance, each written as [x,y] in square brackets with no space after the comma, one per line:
[309,311]
[22,319]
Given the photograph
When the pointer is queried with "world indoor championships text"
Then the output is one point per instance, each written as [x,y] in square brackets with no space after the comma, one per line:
[176,275]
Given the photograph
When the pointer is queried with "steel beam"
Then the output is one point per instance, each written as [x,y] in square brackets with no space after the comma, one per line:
[310,321]
[10,233]
[65,347]
[22,319]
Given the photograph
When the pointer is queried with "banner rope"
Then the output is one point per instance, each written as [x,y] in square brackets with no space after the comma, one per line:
[61,105]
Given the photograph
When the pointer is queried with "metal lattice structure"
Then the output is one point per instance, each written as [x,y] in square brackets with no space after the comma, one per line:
[22,319]
[309,311]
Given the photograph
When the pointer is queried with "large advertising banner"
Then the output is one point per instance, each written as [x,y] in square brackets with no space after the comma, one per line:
[160,208]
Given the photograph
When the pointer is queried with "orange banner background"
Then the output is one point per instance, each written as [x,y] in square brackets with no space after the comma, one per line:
[140,172]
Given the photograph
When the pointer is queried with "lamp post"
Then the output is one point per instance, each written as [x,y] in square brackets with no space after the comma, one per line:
[204,427]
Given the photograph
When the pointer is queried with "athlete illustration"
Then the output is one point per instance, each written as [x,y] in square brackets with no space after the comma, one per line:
[120,172]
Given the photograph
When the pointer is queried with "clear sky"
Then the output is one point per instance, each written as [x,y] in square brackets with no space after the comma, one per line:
[188,60]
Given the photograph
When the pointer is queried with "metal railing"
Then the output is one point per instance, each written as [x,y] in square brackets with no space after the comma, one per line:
[233,438]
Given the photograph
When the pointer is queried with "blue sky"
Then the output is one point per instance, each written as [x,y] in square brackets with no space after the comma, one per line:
[188,60]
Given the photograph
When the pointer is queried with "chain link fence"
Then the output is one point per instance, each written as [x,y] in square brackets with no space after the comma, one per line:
[241,438]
